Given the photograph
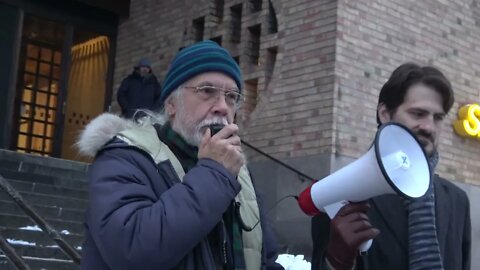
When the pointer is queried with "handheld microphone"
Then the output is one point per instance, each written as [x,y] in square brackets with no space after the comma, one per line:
[215,128]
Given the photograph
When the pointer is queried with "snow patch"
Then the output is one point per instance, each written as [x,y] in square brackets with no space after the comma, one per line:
[20,242]
[31,228]
[292,262]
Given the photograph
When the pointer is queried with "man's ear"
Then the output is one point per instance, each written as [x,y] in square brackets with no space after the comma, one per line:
[383,113]
[170,107]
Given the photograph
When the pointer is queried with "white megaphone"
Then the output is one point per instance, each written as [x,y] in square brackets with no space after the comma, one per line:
[396,163]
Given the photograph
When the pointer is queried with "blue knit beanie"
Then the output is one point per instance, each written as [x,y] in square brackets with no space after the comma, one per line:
[204,56]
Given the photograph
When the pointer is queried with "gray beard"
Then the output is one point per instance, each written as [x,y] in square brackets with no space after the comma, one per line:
[193,136]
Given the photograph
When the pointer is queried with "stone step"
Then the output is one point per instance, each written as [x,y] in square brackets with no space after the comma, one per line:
[49,200]
[60,181]
[21,166]
[25,249]
[41,162]
[40,264]
[57,190]
[47,212]
[49,264]
[18,221]
[44,189]
[34,234]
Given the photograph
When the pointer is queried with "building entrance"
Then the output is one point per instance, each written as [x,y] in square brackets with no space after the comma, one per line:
[61,86]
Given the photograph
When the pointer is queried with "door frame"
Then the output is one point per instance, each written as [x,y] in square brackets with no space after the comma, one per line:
[11,87]
[72,15]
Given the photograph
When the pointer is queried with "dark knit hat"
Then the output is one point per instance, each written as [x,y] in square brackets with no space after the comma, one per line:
[201,57]
[144,62]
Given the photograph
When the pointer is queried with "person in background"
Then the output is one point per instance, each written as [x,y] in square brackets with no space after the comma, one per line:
[166,193]
[432,232]
[139,90]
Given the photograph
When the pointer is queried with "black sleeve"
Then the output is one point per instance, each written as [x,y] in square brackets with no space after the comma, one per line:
[158,92]
[467,237]
[122,97]
[320,235]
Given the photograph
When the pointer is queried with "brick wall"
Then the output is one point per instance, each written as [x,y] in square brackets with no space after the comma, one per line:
[374,37]
[289,87]
[314,87]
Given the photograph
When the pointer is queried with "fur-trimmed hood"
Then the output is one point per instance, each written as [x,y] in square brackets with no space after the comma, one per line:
[107,125]
[99,131]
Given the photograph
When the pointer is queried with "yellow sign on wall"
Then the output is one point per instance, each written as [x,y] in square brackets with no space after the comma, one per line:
[468,123]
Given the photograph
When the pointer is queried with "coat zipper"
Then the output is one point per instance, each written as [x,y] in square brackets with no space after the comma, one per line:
[224,244]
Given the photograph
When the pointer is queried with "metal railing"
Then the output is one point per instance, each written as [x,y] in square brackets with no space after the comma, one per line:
[32,214]
[12,256]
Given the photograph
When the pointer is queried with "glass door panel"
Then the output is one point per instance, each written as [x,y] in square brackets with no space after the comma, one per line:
[40,70]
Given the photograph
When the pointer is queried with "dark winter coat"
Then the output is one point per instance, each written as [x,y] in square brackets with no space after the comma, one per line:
[137,92]
[142,217]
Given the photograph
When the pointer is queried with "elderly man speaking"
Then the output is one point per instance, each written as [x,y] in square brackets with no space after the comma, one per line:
[176,196]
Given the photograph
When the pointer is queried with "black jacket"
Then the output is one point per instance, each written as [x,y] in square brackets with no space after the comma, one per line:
[390,248]
[137,92]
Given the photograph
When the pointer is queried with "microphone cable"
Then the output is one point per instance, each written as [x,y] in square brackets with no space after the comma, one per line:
[299,173]
[247,228]
[215,128]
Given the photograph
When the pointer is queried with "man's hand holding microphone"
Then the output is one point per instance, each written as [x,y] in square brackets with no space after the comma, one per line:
[223,147]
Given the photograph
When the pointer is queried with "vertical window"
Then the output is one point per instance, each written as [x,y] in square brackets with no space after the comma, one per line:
[236,23]
[254,43]
[218,9]
[198,28]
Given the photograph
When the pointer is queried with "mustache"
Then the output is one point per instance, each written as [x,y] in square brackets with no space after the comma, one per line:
[210,121]
[213,120]
[425,134]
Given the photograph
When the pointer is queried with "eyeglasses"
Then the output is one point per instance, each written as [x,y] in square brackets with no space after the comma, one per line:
[211,93]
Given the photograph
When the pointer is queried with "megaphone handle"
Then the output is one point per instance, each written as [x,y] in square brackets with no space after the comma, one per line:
[365,246]
[332,211]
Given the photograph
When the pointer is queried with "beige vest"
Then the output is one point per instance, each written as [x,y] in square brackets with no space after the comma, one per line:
[146,138]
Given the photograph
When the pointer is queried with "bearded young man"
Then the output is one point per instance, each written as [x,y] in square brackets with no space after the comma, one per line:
[174,196]
[432,232]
